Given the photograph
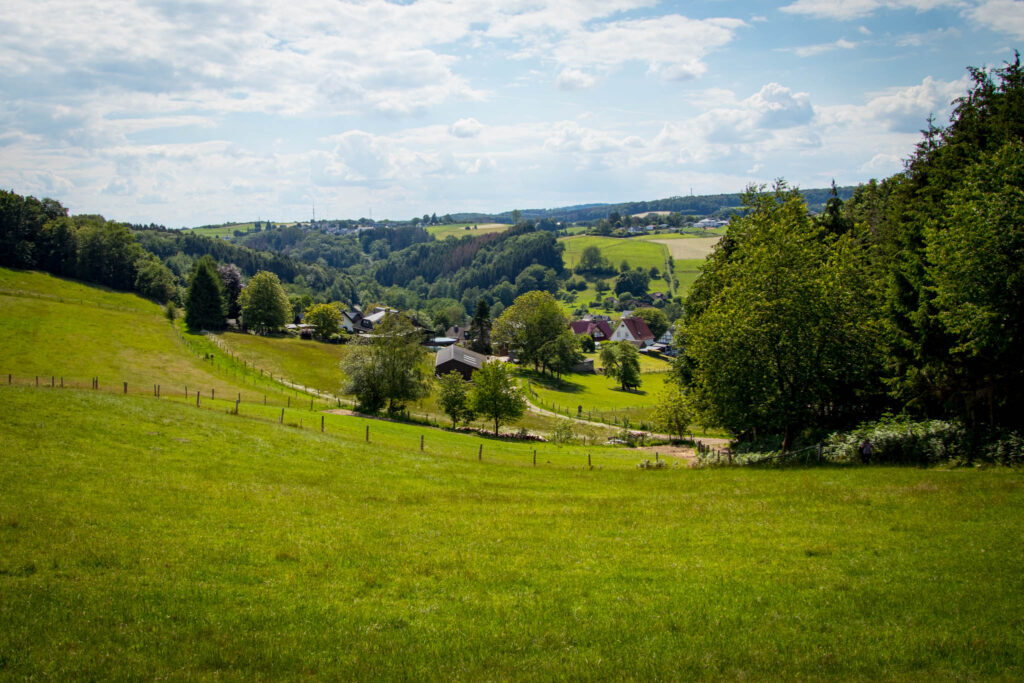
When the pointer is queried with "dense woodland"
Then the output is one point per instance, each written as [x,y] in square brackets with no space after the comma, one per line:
[907,299]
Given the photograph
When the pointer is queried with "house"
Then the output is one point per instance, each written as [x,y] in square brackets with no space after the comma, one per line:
[634,331]
[356,322]
[459,359]
[666,338]
[599,330]
[458,332]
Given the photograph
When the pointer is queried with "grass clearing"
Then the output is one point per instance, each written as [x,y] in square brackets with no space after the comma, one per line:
[442,232]
[143,538]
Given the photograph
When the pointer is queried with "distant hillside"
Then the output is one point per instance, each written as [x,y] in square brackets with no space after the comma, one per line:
[698,205]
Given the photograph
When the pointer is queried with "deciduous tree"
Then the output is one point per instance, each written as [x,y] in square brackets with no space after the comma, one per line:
[264,303]
[453,397]
[496,395]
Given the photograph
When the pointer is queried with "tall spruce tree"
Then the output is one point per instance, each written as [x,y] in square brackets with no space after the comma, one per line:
[204,302]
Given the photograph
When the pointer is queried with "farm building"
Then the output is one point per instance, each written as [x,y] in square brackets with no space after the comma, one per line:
[459,359]
[634,331]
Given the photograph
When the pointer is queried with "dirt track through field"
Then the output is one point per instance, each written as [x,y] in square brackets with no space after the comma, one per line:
[689,248]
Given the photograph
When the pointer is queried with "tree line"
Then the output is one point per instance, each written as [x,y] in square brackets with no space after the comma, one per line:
[907,298]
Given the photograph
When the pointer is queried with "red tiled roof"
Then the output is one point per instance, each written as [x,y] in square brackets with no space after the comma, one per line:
[599,329]
[638,328]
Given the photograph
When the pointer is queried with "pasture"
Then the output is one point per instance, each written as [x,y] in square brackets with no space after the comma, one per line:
[442,232]
[685,248]
[143,538]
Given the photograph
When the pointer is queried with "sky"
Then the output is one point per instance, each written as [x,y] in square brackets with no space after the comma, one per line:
[195,112]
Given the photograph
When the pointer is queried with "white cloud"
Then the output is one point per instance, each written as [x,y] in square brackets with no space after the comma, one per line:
[856,9]
[466,128]
[814,50]
[574,79]
[929,37]
[672,46]
[1004,16]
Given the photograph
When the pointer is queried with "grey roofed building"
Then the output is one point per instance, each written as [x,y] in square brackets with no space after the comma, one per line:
[459,359]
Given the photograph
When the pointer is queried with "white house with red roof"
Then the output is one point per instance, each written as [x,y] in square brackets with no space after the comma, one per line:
[634,331]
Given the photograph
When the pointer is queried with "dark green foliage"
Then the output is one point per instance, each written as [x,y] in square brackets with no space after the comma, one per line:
[204,302]
[633,281]
[905,220]
[231,280]
[155,280]
[480,328]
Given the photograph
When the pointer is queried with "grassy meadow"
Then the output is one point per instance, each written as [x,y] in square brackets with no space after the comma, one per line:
[442,232]
[147,538]
[57,328]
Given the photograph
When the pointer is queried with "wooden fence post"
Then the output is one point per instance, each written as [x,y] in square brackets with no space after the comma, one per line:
[37,380]
[264,399]
[534,457]
[126,387]
[588,461]
[480,453]
[236,406]
[197,399]
[213,394]
[61,382]
[52,384]
[158,391]
[367,433]
[321,423]
[282,415]
[421,442]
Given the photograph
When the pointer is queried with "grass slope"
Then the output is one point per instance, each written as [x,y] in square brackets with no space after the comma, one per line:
[51,327]
[142,538]
[637,252]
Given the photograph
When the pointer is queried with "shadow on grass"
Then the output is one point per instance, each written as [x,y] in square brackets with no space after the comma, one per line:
[563,385]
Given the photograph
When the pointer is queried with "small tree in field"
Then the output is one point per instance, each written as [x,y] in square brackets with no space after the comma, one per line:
[453,395]
[621,361]
[325,319]
[674,412]
[495,394]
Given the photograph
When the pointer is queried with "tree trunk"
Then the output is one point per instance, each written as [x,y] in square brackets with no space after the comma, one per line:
[495,426]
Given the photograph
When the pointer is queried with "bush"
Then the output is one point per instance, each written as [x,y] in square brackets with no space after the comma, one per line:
[901,441]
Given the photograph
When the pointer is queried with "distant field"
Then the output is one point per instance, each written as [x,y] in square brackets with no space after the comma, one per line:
[687,248]
[636,252]
[142,538]
[224,230]
[459,229]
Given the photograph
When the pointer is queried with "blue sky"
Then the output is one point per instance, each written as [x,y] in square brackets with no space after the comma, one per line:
[193,112]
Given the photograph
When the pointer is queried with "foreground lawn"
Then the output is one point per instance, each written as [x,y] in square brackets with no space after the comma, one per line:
[143,538]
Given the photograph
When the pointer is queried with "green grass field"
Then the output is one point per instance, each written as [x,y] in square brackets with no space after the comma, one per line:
[224,231]
[442,232]
[637,252]
[600,397]
[144,538]
[56,328]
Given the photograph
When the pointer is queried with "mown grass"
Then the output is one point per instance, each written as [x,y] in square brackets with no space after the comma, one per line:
[142,538]
[225,231]
[442,232]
